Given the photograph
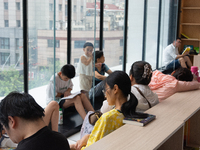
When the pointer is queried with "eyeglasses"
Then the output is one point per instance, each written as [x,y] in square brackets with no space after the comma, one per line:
[104,91]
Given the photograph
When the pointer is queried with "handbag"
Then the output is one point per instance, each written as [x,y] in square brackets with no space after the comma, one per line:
[143,96]
[93,117]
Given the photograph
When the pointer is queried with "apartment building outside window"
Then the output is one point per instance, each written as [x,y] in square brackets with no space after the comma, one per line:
[18,5]
[5,43]
[81,8]
[5,5]
[6,23]
[5,58]
[18,23]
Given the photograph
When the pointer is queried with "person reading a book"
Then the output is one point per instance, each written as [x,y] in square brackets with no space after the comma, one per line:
[22,119]
[172,59]
[63,87]
[51,115]
[140,75]
[117,90]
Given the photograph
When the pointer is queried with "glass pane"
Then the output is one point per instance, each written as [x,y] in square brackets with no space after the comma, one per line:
[135,32]
[41,45]
[11,49]
[168,26]
[83,31]
[113,33]
[152,32]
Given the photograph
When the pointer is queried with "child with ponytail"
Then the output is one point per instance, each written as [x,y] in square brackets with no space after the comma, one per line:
[117,92]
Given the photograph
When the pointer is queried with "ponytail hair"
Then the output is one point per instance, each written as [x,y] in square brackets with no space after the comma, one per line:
[122,80]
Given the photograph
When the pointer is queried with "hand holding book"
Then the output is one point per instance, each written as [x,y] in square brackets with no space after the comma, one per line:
[186,51]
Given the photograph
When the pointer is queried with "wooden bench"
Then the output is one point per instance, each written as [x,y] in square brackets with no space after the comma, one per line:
[166,132]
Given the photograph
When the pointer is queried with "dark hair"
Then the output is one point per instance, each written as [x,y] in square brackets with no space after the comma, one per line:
[88,44]
[121,79]
[178,38]
[141,73]
[21,105]
[183,74]
[98,54]
[68,70]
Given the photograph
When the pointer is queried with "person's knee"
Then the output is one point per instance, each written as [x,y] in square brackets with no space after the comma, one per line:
[77,98]
[181,59]
[54,105]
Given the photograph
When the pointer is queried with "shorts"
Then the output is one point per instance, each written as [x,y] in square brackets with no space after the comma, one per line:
[61,103]
[85,82]
[175,62]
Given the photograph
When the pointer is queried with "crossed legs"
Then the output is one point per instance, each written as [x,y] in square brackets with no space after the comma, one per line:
[81,103]
[185,60]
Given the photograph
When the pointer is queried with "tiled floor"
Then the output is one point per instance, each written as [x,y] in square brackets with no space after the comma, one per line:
[72,139]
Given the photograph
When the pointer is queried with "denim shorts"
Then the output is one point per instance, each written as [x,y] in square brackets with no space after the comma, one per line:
[171,65]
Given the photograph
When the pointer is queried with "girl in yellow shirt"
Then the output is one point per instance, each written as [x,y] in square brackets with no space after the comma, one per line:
[118,93]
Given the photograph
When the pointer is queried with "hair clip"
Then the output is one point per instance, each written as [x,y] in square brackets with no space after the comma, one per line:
[147,71]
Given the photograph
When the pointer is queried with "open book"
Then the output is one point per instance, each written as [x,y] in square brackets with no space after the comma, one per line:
[187,49]
[71,96]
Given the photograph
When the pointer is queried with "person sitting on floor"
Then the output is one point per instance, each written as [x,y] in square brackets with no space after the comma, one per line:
[22,119]
[118,92]
[63,88]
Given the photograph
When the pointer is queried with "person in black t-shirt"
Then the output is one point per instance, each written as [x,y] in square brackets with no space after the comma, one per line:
[22,119]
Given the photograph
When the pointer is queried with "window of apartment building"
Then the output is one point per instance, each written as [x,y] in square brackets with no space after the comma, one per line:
[51,60]
[17,59]
[81,8]
[66,10]
[97,44]
[120,59]
[5,59]
[6,23]
[79,44]
[50,7]
[50,24]
[5,5]
[5,43]
[121,42]
[17,43]
[76,61]
[18,5]
[18,23]
[50,43]
[74,8]
[60,7]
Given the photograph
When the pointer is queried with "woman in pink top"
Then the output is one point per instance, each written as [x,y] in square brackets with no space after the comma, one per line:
[166,85]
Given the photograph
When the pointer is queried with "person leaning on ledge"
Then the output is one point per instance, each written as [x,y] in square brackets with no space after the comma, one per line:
[22,119]
[172,57]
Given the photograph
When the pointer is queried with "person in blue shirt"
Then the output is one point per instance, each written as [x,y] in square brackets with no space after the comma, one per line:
[100,67]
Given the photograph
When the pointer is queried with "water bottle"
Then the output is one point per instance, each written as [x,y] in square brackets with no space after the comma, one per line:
[60,121]
[194,70]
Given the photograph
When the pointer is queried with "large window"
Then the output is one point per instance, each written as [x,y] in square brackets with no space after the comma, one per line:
[79,44]
[6,23]
[5,43]
[6,5]
[51,43]
[18,5]
[5,59]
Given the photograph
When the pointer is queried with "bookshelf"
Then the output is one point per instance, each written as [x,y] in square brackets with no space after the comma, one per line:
[190,23]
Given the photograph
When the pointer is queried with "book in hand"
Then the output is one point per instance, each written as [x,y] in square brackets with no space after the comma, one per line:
[187,49]
[71,96]
[139,121]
